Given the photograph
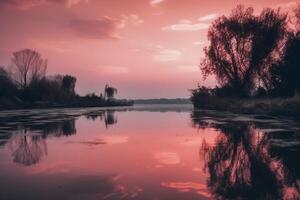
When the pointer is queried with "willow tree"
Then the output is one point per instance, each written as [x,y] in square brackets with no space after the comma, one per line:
[109,92]
[242,46]
[28,65]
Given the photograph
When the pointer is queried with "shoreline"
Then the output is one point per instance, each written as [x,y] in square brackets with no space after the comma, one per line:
[268,106]
[29,107]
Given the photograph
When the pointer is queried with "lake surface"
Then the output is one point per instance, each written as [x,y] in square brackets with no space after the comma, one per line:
[168,152]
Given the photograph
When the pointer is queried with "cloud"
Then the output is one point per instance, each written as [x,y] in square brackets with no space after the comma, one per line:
[286,5]
[198,43]
[167,158]
[104,28]
[208,17]
[186,25]
[27,4]
[132,19]
[59,46]
[167,55]
[155,2]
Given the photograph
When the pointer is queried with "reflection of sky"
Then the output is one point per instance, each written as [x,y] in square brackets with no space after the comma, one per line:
[131,159]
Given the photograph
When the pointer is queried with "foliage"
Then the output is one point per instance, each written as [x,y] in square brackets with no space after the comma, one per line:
[109,91]
[242,46]
[25,84]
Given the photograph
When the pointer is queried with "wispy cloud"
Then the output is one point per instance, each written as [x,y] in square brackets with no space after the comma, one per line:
[132,19]
[155,2]
[167,55]
[287,4]
[27,4]
[208,17]
[198,43]
[186,25]
[104,28]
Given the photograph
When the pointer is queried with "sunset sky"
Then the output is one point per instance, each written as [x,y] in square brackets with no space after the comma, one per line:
[145,48]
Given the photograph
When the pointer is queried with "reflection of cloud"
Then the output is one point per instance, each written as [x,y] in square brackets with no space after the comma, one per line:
[167,158]
[166,55]
[115,139]
[191,142]
[104,28]
[186,25]
[208,17]
[105,140]
[199,188]
[104,185]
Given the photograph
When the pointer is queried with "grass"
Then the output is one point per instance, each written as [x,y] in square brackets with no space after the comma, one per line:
[270,106]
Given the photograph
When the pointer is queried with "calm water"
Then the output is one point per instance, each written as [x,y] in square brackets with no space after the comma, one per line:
[147,152]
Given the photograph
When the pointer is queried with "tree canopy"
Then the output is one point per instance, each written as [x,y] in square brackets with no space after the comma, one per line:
[243,46]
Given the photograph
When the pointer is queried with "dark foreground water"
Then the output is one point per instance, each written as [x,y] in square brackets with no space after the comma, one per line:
[165,152]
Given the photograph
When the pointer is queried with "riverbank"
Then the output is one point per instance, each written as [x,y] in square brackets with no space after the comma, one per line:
[266,106]
[9,104]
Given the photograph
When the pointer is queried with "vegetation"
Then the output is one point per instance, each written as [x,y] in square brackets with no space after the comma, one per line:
[162,101]
[255,61]
[24,84]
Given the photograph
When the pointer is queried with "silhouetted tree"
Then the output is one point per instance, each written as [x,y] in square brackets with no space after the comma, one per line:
[109,91]
[68,84]
[28,65]
[284,76]
[7,87]
[242,46]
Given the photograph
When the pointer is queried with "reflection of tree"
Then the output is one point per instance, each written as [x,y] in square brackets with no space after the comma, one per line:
[107,115]
[110,118]
[64,127]
[27,149]
[240,165]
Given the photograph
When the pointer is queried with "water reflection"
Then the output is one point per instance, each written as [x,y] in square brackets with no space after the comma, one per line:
[78,154]
[27,149]
[244,164]
[108,116]
[27,139]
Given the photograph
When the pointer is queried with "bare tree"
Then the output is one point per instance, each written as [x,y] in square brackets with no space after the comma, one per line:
[28,65]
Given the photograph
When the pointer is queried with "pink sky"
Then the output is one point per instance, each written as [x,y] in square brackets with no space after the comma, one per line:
[145,48]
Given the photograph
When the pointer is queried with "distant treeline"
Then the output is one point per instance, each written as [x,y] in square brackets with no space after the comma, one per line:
[252,56]
[163,101]
[24,84]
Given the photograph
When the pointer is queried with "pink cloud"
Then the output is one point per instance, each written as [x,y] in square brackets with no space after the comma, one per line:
[186,25]
[24,5]
[105,28]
